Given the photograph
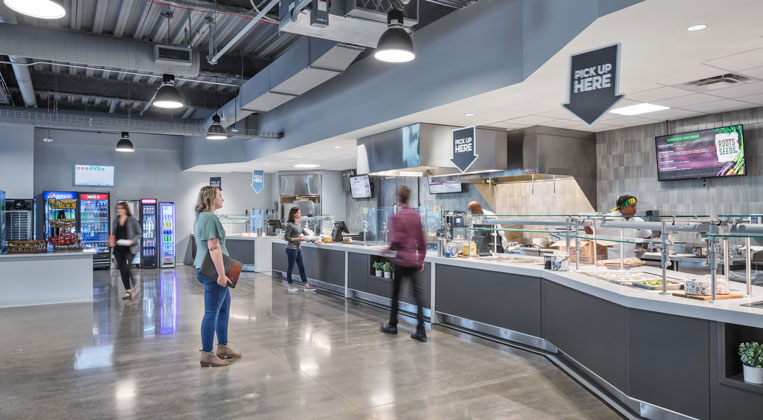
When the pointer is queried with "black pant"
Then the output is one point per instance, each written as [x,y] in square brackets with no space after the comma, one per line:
[418,293]
[124,257]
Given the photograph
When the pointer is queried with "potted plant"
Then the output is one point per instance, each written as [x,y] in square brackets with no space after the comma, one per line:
[751,354]
[387,268]
[378,267]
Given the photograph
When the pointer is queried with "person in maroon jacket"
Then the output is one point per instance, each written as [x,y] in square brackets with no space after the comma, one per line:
[407,238]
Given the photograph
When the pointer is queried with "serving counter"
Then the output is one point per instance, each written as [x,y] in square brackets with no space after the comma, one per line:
[40,279]
[252,251]
[649,355]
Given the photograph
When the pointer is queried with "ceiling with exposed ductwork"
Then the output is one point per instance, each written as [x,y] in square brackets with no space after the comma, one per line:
[76,63]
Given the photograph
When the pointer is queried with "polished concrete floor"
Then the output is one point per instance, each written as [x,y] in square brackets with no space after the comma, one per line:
[306,356]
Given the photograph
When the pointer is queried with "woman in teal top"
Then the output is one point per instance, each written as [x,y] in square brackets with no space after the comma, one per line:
[210,238]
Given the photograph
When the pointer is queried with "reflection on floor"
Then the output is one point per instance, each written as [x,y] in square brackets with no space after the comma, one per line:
[306,356]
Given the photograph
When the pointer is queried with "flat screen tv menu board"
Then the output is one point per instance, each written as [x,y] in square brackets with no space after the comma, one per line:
[715,152]
[360,186]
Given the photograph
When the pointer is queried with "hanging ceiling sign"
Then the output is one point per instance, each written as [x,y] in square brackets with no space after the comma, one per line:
[258,180]
[593,83]
[216,181]
[464,154]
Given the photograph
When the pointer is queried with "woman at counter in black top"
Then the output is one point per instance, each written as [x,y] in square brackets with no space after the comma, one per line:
[294,236]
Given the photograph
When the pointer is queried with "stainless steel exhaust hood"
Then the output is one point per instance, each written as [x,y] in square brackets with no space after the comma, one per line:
[426,150]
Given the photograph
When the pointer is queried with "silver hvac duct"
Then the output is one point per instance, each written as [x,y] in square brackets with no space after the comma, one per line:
[20,70]
[309,63]
[93,50]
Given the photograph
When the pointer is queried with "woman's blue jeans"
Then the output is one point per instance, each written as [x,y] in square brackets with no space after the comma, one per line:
[295,255]
[216,313]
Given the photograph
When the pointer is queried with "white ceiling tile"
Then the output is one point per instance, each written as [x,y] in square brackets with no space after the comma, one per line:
[529,120]
[756,72]
[740,61]
[666,92]
[683,101]
[558,113]
[756,99]
[740,90]
[561,123]
[718,106]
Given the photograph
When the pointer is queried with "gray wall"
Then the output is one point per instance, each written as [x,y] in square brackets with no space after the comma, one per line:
[152,171]
[333,197]
[17,160]
[627,164]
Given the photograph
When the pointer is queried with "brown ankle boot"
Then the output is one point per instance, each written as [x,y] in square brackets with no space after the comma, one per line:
[225,352]
[208,359]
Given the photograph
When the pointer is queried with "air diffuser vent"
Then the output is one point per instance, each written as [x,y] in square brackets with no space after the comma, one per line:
[716,82]
[168,54]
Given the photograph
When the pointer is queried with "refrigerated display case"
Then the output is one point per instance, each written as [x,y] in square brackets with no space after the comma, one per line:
[148,218]
[134,206]
[167,257]
[2,220]
[19,219]
[60,220]
[94,226]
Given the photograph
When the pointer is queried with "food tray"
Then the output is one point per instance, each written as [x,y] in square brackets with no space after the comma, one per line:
[703,297]
[672,285]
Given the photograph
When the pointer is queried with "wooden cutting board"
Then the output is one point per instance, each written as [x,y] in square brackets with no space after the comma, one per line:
[702,297]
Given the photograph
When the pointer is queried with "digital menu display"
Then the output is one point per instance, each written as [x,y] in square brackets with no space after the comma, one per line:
[716,152]
[93,176]
[437,187]
[360,186]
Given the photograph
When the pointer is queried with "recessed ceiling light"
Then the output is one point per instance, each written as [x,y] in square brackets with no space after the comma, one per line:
[639,109]
[337,147]
[697,27]
[306,165]
[469,114]
[267,163]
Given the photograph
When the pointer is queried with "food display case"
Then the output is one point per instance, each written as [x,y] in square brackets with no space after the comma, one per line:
[167,257]
[94,226]
[148,219]
[60,220]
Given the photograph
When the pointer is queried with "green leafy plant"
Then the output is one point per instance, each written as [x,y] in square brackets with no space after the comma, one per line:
[387,267]
[751,354]
[378,266]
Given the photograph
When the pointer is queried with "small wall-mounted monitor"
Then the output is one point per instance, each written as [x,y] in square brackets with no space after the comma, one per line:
[93,176]
[360,187]
[716,152]
[444,187]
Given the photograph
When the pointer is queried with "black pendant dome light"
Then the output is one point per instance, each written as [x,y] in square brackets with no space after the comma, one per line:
[41,9]
[216,131]
[124,144]
[395,45]
[168,96]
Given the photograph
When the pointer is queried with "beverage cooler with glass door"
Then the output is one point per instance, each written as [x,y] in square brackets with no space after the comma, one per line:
[2,221]
[94,226]
[148,218]
[167,257]
[59,220]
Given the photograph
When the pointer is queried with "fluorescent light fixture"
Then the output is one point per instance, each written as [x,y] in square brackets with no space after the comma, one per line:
[306,165]
[697,27]
[639,109]
[469,114]
[42,9]
[124,144]
[411,173]
[395,45]
[168,96]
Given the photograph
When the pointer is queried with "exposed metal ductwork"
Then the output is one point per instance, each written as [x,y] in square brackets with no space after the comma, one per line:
[20,70]
[306,65]
[82,121]
[49,44]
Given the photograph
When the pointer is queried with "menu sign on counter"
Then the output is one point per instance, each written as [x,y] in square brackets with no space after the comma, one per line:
[593,83]
[464,154]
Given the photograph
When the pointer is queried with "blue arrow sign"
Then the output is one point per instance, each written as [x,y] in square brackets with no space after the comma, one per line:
[464,148]
[258,180]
